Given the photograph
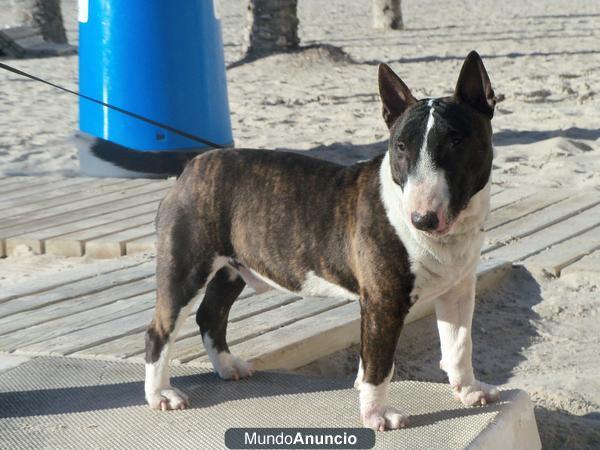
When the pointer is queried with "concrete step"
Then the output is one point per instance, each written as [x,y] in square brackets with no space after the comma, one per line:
[76,403]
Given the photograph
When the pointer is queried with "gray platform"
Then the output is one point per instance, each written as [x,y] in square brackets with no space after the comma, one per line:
[76,403]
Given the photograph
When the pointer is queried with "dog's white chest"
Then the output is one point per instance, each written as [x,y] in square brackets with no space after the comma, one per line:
[438,271]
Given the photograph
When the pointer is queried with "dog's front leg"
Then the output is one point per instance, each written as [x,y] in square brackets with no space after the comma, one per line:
[454,311]
[380,329]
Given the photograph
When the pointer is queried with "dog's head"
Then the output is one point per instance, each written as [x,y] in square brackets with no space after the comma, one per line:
[440,149]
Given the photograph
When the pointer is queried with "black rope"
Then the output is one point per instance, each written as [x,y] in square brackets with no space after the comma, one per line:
[115,108]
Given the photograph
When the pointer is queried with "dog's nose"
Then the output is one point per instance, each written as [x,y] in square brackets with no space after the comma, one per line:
[425,222]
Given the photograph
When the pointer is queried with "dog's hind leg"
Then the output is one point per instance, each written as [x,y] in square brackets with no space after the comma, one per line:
[175,299]
[182,269]
[212,317]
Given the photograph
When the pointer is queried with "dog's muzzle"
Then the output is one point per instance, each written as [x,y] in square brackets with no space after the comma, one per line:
[430,221]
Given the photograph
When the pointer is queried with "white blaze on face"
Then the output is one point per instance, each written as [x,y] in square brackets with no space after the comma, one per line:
[426,188]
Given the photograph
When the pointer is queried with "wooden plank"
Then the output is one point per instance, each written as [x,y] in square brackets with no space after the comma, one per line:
[496,189]
[23,329]
[240,331]
[32,210]
[114,198]
[74,244]
[589,263]
[7,181]
[94,226]
[88,337]
[120,200]
[524,207]
[10,184]
[141,245]
[544,218]
[66,325]
[79,288]
[242,309]
[559,256]
[53,206]
[114,245]
[21,323]
[40,192]
[17,185]
[132,345]
[46,282]
[92,193]
[303,341]
[255,311]
[508,196]
[552,235]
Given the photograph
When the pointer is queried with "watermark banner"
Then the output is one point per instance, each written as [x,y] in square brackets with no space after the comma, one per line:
[276,438]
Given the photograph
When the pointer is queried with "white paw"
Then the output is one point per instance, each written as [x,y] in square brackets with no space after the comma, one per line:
[382,418]
[166,399]
[477,394]
[230,367]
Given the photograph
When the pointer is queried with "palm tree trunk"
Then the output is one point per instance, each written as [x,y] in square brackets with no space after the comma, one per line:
[272,27]
[45,15]
[387,14]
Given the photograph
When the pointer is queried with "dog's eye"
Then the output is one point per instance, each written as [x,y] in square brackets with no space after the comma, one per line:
[455,142]
[401,146]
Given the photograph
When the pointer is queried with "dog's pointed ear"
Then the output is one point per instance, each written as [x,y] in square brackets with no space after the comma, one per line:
[395,95]
[474,87]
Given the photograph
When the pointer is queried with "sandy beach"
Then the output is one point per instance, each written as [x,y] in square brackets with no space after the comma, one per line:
[543,59]
[535,332]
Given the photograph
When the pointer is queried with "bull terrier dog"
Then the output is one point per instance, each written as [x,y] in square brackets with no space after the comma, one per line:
[402,228]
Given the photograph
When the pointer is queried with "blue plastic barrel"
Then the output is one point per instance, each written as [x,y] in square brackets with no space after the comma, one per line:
[161,59]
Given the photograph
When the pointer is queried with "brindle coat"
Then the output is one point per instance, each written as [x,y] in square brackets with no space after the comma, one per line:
[284,215]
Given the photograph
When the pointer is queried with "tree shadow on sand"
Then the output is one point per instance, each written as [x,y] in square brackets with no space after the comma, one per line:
[513,137]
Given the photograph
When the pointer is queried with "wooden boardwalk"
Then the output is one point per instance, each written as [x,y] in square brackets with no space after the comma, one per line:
[77,216]
[103,313]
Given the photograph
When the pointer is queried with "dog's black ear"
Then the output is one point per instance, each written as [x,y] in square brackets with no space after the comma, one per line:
[474,87]
[395,95]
